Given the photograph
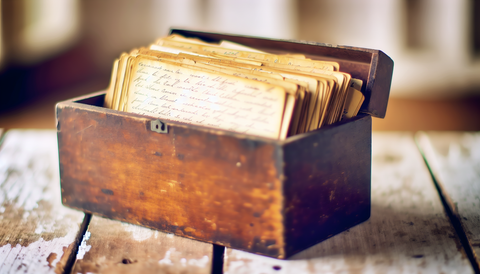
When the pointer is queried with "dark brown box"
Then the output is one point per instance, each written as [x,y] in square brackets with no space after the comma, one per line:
[265,196]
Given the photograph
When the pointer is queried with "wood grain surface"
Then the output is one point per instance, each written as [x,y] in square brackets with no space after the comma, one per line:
[408,231]
[115,247]
[222,188]
[37,233]
[454,158]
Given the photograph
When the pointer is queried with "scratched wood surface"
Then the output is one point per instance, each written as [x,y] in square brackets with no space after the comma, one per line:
[37,233]
[454,158]
[114,247]
[408,231]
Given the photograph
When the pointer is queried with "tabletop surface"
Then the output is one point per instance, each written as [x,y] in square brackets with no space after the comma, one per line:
[425,218]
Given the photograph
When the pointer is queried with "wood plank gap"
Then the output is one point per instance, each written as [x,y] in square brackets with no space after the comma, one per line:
[2,135]
[217,260]
[450,208]
[78,240]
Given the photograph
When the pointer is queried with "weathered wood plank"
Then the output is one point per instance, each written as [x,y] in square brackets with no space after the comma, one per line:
[454,158]
[37,233]
[408,231]
[115,247]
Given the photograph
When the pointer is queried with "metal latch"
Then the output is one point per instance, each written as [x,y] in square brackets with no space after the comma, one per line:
[158,126]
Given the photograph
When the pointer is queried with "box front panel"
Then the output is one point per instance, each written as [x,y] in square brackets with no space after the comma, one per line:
[327,188]
[198,184]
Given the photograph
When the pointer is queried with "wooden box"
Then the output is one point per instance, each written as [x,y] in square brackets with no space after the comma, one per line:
[265,196]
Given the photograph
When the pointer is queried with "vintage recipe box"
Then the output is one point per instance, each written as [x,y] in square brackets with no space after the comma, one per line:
[271,197]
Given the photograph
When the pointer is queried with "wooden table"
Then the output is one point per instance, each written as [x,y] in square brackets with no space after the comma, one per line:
[425,219]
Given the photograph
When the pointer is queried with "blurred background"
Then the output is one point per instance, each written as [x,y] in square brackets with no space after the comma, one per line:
[52,50]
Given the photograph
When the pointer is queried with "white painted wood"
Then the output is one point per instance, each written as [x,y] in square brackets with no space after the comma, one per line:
[454,158]
[116,247]
[408,231]
[37,233]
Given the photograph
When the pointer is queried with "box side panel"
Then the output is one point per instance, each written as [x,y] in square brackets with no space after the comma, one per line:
[327,187]
[194,183]
[380,80]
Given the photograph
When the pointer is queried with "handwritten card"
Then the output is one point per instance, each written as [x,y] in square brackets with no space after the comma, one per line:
[176,93]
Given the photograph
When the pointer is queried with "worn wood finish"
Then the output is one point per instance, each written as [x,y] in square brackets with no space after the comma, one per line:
[116,247]
[327,183]
[196,183]
[373,67]
[408,231]
[215,186]
[454,159]
[37,234]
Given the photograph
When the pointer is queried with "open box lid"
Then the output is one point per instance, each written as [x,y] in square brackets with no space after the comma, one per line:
[373,67]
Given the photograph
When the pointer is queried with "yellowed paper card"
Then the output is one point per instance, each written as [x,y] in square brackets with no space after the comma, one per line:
[354,99]
[111,86]
[218,101]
